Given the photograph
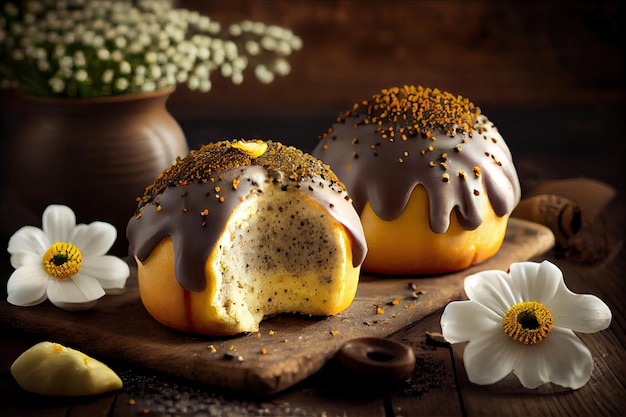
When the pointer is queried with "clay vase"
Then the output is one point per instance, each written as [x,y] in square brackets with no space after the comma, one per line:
[95,155]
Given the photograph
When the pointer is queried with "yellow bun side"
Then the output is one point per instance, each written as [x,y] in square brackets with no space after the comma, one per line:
[236,300]
[164,298]
[407,245]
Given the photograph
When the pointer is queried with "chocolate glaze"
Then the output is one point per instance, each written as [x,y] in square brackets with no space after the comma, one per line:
[193,208]
[381,160]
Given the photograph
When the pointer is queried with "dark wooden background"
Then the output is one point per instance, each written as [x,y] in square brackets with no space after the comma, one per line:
[492,51]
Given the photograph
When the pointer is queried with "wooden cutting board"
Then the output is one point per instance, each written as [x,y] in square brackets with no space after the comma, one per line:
[119,328]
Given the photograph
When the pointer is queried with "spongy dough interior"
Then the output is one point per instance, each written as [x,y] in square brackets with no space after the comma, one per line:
[281,252]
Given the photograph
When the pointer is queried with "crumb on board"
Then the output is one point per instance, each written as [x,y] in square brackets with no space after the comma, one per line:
[436,339]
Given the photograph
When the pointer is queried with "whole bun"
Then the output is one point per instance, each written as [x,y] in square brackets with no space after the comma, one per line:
[238,231]
[431,177]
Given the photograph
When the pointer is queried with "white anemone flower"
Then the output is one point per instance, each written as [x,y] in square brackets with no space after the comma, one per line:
[64,262]
[524,322]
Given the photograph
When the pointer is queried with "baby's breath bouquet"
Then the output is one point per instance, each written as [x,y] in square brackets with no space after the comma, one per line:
[93,48]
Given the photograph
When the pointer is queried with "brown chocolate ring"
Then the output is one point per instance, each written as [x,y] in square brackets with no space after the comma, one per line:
[377,356]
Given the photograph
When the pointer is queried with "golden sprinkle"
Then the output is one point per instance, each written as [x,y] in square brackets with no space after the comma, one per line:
[263,351]
[528,322]
[446,177]
[271,332]
[333,332]
[209,162]
[379,310]
[476,171]
[428,110]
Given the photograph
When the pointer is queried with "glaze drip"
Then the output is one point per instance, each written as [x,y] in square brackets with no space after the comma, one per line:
[192,200]
[383,148]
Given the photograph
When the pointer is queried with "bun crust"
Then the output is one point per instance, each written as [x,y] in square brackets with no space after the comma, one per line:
[403,140]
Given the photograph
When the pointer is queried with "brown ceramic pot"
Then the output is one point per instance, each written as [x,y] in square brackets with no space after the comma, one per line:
[95,155]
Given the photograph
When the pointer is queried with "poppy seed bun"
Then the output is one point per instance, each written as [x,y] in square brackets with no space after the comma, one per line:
[432,179]
[238,231]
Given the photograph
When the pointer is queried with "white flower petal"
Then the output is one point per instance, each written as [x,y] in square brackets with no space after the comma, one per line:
[489,359]
[94,239]
[79,289]
[21,259]
[535,281]
[583,313]
[29,239]
[491,289]
[58,223]
[561,358]
[463,321]
[111,272]
[27,286]
[531,367]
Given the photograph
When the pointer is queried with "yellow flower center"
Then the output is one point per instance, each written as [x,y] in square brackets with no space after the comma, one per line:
[62,261]
[528,322]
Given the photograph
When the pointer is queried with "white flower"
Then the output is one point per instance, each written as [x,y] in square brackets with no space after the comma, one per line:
[81,75]
[524,322]
[143,33]
[64,262]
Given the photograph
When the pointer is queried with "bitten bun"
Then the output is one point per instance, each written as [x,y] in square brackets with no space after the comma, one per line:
[238,231]
[432,179]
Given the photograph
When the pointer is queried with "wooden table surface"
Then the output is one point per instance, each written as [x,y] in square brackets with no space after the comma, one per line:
[438,385]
